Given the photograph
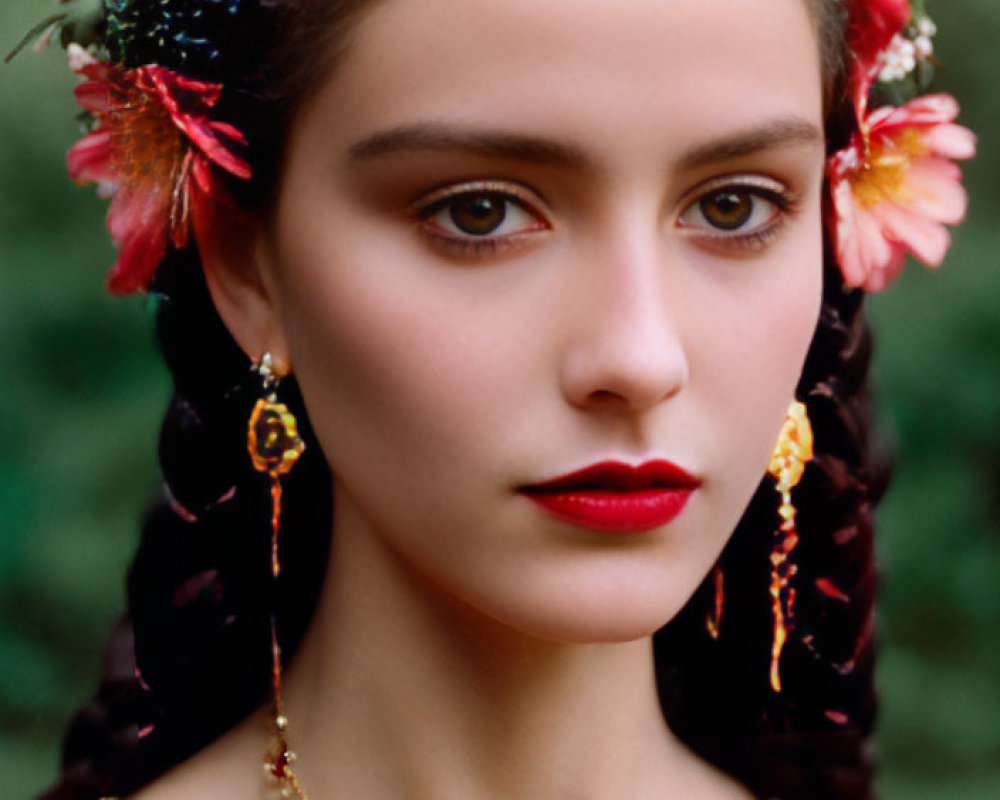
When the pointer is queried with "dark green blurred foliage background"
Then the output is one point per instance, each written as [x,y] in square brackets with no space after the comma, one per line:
[82,391]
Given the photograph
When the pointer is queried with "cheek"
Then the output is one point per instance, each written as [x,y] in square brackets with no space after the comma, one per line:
[386,351]
[353,348]
[765,312]
[761,339]
[748,329]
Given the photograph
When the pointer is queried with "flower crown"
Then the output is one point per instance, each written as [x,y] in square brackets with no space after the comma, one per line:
[155,151]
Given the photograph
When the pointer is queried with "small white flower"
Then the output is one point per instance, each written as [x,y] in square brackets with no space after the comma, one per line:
[926,27]
[79,57]
[902,55]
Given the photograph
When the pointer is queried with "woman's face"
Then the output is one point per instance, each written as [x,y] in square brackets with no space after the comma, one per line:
[516,239]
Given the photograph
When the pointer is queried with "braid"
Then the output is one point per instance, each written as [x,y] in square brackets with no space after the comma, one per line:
[99,748]
[193,657]
[809,741]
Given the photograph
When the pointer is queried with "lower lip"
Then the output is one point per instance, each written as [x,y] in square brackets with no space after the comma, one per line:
[615,512]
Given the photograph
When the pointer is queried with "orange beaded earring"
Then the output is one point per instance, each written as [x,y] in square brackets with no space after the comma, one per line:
[275,445]
[791,454]
[713,621]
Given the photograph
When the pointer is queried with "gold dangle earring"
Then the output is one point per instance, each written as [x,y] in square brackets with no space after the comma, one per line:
[274,444]
[788,461]
[713,622]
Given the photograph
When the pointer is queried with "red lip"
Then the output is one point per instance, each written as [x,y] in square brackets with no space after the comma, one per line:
[613,497]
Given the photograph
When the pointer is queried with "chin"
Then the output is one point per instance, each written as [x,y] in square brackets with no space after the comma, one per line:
[597,617]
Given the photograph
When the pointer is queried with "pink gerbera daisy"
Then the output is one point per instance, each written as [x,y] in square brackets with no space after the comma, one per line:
[895,187]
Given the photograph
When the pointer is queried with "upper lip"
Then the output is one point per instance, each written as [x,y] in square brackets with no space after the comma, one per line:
[620,477]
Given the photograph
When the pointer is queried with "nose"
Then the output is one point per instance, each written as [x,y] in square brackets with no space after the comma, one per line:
[626,347]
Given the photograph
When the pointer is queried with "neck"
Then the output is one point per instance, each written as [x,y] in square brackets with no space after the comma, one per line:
[399,692]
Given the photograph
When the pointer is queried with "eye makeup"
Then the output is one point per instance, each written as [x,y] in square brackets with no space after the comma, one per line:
[740,213]
[480,218]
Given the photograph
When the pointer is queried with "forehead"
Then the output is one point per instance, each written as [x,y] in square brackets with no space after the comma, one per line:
[607,70]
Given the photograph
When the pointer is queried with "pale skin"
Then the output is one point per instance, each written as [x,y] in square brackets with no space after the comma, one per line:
[467,645]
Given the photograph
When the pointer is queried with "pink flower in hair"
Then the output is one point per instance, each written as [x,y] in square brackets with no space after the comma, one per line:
[151,151]
[895,187]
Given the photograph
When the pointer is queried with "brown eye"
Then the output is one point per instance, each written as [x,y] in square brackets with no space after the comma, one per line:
[727,210]
[738,211]
[481,215]
[478,214]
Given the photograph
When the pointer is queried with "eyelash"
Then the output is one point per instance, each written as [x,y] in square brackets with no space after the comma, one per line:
[519,200]
[757,189]
[515,200]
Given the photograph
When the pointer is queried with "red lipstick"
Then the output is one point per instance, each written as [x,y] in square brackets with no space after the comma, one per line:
[612,497]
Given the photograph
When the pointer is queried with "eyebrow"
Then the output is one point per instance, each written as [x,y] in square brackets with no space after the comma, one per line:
[430,137]
[443,138]
[781,132]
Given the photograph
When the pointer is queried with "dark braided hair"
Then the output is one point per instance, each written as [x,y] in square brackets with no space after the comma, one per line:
[191,659]
[809,741]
